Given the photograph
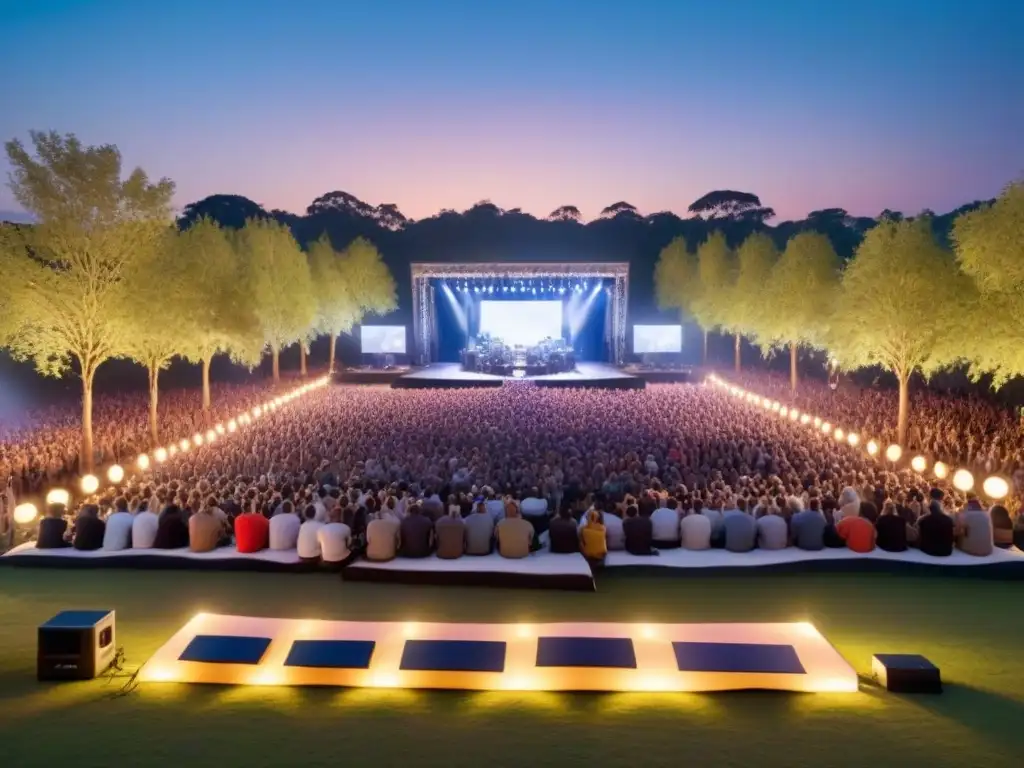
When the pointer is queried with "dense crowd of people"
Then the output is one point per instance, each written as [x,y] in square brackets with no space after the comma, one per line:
[966,429]
[410,472]
[42,447]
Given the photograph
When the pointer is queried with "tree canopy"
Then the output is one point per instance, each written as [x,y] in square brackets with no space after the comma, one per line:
[66,274]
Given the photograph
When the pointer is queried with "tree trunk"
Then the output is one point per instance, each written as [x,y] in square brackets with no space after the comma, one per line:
[85,461]
[738,363]
[275,357]
[302,359]
[705,357]
[206,383]
[794,377]
[904,417]
[154,396]
[330,365]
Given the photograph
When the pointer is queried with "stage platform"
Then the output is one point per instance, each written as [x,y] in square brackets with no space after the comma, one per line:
[370,375]
[451,375]
[220,559]
[1001,564]
[243,650]
[681,375]
[540,570]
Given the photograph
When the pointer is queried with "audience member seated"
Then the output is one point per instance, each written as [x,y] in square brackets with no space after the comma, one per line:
[382,535]
[534,505]
[307,543]
[89,529]
[695,531]
[480,531]
[284,527]
[450,532]
[514,534]
[740,531]
[1018,530]
[145,525]
[252,531]
[974,529]
[849,505]
[858,532]
[716,519]
[593,543]
[936,530]
[891,529]
[172,531]
[613,529]
[205,530]
[772,531]
[416,534]
[665,524]
[807,527]
[118,534]
[52,528]
[563,536]
[335,539]
[1002,526]
[639,532]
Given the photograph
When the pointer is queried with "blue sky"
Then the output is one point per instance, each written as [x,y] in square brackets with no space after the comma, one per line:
[869,105]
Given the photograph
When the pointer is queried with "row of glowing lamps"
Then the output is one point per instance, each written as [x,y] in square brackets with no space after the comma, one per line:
[994,487]
[89,484]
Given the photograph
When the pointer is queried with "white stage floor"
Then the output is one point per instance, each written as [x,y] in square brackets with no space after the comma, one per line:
[541,569]
[721,558]
[242,650]
[600,375]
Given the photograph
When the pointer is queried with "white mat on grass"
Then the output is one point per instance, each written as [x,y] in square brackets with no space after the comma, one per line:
[721,558]
[540,563]
[282,556]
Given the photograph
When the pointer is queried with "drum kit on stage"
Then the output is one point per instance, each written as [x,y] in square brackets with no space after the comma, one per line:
[492,355]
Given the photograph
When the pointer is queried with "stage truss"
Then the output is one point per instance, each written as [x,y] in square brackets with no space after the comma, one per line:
[423,294]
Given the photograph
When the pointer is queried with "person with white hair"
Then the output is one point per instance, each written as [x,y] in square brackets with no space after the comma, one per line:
[849,505]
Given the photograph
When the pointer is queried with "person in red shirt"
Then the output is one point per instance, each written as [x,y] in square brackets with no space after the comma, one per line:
[252,531]
[858,533]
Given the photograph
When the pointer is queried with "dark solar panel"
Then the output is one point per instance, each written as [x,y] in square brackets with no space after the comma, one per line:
[331,654]
[737,657]
[586,652]
[225,649]
[453,656]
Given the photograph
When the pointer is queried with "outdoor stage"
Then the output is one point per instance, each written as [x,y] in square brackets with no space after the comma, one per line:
[451,375]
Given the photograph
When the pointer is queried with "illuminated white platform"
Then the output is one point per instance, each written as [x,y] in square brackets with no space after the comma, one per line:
[240,650]
[222,558]
[1006,561]
[541,570]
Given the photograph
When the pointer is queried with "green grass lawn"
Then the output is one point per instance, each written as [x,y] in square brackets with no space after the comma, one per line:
[973,629]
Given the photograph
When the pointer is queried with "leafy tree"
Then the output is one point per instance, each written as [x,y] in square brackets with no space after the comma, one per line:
[621,208]
[65,275]
[221,316]
[280,286]
[676,281]
[389,217]
[732,205]
[989,244]
[339,202]
[156,315]
[749,304]
[715,271]
[802,289]
[565,213]
[230,211]
[900,305]
[350,285]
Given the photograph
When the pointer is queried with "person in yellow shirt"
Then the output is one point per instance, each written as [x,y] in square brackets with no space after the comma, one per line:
[592,538]
[514,534]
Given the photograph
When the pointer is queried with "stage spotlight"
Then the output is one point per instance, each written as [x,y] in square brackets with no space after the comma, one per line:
[513,289]
[584,283]
[490,289]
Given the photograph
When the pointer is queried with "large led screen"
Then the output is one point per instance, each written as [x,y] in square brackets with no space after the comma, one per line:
[521,322]
[382,339]
[657,338]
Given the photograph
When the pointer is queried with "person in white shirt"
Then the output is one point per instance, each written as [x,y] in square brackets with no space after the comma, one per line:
[695,531]
[533,505]
[308,541]
[118,533]
[284,527]
[335,539]
[144,528]
[665,525]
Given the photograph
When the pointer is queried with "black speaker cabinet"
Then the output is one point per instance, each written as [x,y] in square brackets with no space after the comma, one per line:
[75,645]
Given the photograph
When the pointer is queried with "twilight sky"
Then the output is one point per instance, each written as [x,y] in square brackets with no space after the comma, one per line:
[430,104]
